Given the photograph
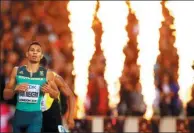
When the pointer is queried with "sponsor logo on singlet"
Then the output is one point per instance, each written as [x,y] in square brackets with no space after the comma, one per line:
[23,77]
[21,72]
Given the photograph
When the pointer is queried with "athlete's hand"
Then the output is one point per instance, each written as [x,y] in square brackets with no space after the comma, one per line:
[46,88]
[21,87]
[70,123]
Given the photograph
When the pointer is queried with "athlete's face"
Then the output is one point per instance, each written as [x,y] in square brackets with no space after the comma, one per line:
[34,54]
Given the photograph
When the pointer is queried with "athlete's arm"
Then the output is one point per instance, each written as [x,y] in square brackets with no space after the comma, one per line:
[9,90]
[65,90]
[51,87]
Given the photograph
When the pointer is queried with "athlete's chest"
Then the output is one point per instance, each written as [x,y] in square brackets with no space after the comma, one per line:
[37,78]
[34,88]
[34,80]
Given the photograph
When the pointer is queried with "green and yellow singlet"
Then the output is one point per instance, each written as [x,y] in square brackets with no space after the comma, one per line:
[31,99]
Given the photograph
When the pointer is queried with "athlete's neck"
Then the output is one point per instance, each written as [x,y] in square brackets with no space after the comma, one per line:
[32,67]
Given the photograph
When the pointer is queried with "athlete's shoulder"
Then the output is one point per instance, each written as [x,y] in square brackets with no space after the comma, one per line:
[16,68]
[55,74]
[20,67]
[21,70]
[50,71]
[50,74]
[59,79]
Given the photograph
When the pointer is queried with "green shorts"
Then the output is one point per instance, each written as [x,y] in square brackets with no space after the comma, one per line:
[31,121]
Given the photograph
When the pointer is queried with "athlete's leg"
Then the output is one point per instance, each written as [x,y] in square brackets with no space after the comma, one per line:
[36,123]
[16,129]
[45,121]
[50,124]
[19,122]
[52,118]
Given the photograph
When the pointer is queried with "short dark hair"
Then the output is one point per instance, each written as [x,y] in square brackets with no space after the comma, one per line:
[34,43]
[43,61]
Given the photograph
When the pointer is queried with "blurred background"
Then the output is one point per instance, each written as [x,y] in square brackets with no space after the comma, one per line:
[129,63]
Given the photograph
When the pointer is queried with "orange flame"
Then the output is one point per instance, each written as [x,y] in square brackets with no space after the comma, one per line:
[113,15]
[81,18]
[183,12]
[149,14]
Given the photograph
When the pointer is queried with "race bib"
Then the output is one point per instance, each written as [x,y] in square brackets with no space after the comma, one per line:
[31,95]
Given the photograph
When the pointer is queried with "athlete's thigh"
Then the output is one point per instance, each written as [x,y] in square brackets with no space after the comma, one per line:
[36,124]
[50,126]
[20,120]
[16,129]
[34,128]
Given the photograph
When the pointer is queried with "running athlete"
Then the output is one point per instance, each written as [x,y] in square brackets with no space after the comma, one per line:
[32,82]
[52,119]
